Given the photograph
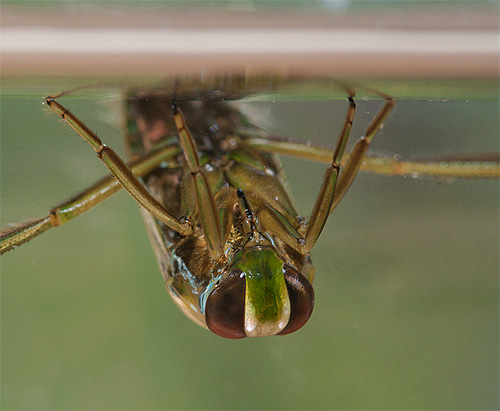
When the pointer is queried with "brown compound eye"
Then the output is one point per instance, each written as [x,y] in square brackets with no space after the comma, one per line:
[301,295]
[225,308]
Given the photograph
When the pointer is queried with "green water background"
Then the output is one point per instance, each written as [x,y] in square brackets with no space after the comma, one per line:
[407,296]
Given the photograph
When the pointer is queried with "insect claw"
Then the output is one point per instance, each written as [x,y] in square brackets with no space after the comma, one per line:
[174,106]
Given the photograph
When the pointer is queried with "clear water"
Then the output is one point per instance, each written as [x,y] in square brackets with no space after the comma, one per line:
[407,305]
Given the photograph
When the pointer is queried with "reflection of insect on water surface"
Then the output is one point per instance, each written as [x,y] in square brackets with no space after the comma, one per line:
[232,248]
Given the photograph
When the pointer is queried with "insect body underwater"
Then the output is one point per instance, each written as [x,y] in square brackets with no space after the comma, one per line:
[233,250]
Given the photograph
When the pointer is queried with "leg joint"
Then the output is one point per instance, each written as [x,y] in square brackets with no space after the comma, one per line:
[54,217]
[100,150]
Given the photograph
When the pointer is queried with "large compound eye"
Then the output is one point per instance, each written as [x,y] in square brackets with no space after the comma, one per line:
[225,308]
[301,295]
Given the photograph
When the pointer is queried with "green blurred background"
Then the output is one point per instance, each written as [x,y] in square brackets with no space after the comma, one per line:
[407,309]
[407,288]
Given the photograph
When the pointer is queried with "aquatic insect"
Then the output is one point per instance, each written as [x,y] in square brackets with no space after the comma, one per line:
[233,251]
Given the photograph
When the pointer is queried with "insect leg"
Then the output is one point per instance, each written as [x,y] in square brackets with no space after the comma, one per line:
[277,224]
[120,170]
[325,198]
[463,166]
[209,217]
[19,233]
[352,167]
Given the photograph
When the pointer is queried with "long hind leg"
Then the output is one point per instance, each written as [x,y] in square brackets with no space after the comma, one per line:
[14,235]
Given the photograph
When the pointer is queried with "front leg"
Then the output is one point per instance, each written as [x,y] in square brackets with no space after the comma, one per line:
[120,170]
